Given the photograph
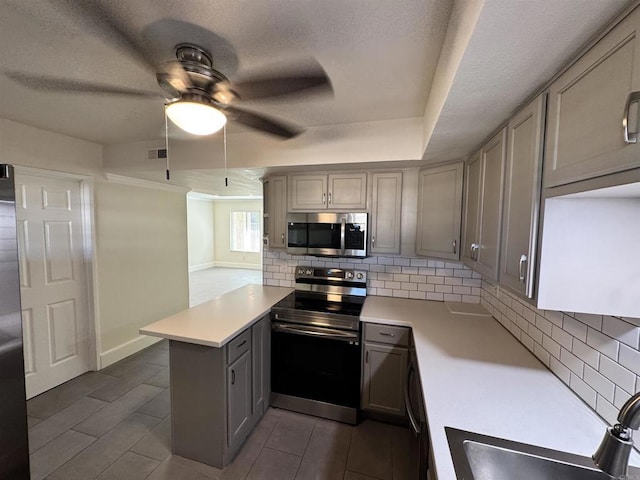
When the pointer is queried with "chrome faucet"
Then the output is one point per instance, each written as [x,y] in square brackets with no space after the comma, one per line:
[612,456]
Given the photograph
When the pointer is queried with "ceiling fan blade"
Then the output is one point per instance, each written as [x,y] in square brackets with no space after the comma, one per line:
[314,78]
[173,78]
[262,123]
[106,26]
[53,84]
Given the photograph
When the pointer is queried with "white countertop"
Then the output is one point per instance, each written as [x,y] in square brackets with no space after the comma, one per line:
[217,321]
[477,377]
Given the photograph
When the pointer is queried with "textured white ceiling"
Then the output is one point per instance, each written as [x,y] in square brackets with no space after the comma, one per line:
[380,55]
[380,58]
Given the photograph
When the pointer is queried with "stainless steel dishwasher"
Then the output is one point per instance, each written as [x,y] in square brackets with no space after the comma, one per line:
[414,403]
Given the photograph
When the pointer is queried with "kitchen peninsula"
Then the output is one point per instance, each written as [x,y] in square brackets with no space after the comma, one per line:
[219,368]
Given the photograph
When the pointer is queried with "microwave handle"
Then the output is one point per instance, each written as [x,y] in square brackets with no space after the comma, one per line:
[343,232]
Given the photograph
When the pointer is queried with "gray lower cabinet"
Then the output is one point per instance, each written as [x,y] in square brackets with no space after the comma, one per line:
[384,372]
[218,394]
[239,399]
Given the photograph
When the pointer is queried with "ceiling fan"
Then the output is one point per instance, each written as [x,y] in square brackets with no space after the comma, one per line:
[198,98]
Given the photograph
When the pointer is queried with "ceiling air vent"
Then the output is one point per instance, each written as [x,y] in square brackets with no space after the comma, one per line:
[156,153]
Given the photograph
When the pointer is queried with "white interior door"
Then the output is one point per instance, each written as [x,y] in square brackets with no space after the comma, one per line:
[53,287]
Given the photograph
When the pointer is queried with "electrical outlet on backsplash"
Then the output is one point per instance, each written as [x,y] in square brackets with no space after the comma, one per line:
[597,356]
[404,277]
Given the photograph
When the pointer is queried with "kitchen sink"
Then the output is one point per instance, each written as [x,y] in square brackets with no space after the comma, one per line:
[481,457]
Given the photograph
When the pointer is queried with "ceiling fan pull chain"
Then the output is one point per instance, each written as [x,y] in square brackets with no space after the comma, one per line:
[224,135]
[166,140]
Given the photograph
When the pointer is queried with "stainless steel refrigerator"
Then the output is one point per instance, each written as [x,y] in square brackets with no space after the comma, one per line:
[14,447]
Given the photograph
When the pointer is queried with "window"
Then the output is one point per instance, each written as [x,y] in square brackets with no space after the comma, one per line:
[245,231]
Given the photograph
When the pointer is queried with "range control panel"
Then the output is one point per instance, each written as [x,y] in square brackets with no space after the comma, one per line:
[330,273]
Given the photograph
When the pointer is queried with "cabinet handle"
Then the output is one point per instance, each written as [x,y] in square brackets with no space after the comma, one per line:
[387,334]
[630,137]
[324,198]
[283,238]
[366,357]
[241,344]
[373,240]
[329,197]
[522,268]
[455,246]
[233,377]
[474,251]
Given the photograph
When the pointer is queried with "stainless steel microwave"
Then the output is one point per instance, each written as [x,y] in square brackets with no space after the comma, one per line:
[327,234]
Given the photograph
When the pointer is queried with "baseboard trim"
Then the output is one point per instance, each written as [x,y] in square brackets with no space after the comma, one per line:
[202,266]
[123,351]
[249,266]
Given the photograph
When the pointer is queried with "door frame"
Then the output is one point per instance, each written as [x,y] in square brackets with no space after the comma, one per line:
[87,209]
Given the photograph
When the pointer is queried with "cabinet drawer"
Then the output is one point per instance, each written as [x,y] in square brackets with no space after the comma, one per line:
[238,346]
[387,334]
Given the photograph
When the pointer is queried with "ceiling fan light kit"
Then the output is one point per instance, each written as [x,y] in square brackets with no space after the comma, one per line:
[195,116]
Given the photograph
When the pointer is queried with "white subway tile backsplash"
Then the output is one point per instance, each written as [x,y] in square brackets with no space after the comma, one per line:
[574,328]
[561,371]
[553,317]
[602,343]
[606,410]
[543,324]
[599,382]
[418,262]
[438,297]
[585,353]
[598,356]
[621,330]
[619,375]
[594,321]
[583,390]
[551,346]
[562,337]
[572,362]
[630,359]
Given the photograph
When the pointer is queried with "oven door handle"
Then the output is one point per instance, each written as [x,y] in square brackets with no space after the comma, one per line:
[343,234]
[314,332]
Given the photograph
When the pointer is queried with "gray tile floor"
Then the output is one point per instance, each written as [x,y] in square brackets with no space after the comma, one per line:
[213,282]
[115,425]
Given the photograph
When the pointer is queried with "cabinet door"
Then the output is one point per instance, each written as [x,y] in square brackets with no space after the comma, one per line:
[239,398]
[493,156]
[384,374]
[386,204]
[522,198]
[473,190]
[258,356]
[347,191]
[277,204]
[586,105]
[439,212]
[307,192]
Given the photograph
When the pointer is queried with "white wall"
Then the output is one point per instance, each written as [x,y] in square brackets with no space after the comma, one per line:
[142,261]
[224,257]
[140,244]
[200,225]
[365,142]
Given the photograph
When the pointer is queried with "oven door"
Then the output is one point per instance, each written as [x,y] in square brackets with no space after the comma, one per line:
[316,363]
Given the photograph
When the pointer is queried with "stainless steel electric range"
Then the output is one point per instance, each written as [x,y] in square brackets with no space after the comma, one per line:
[315,344]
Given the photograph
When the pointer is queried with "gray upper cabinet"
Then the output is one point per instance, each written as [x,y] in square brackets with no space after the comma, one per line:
[275,211]
[522,198]
[587,104]
[440,211]
[344,191]
[483,212]
[386,205]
